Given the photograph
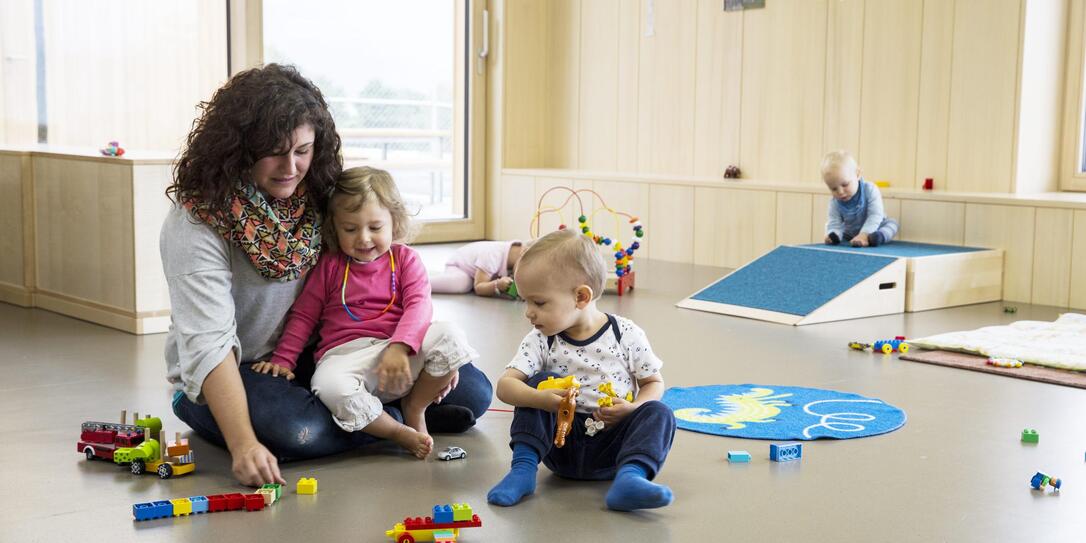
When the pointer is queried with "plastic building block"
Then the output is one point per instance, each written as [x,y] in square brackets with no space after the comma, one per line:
[444,536]
[216,503]
[859,346]
[783,452]
[738,456]
[1041,479]
[1029,435]
[307,485]
[929,184]
[235,501]
[268,494]
[181,506]
[200,504]
[442,514]
[461,512]
[152,510]
[253,502]
[882,184]
[888,346]
[562,383]
[592,427]
[278,488]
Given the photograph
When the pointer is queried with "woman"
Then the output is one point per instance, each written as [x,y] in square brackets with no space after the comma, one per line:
[250,189]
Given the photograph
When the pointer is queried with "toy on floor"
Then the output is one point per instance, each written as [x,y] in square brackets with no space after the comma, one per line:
[738,456]
[306,485]
[444,525]
[1010,309]
[113,149]
[1004,362]
[511,292]
[102,439]
[624,277]
[783,452]
[858,346]
[888,346]
[1040,480]
[151,457]
[452,453]
[1029,435]
[206,504]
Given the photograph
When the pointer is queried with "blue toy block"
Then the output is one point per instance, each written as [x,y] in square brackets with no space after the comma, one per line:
[147,511]
[443,513]
[738,456]
[783,452]
[199,504]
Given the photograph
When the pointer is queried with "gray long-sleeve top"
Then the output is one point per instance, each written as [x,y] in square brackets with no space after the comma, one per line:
[218,302]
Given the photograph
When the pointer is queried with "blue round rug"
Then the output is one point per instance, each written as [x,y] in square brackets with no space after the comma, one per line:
[780,412]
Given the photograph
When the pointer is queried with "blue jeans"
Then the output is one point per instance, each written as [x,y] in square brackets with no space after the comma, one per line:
[644,436]
[294,425]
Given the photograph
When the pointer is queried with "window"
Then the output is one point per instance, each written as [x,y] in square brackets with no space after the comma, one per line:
[389,73]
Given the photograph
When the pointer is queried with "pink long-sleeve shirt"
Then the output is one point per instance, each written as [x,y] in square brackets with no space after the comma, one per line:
[367,294]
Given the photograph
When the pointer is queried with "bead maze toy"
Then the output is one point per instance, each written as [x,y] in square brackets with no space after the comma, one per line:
[443,526]
[624,277]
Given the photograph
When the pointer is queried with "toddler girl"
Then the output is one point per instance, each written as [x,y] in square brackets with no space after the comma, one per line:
[485,267]
[370,295]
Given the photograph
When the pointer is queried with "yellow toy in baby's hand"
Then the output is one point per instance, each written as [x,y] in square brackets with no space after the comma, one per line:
[563,383]
[608,391]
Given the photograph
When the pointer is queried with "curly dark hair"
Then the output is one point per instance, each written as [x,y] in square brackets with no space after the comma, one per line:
[251,117]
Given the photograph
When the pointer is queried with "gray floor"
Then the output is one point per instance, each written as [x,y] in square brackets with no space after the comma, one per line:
[955,472]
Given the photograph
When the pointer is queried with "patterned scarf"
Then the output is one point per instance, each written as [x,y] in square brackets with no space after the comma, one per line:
[281,237]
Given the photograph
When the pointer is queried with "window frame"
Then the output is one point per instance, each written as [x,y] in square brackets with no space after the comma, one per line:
[1074,121]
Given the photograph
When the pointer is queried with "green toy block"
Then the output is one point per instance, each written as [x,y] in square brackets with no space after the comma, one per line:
[278,488]
[1029,435]
[512,293]
[461,511]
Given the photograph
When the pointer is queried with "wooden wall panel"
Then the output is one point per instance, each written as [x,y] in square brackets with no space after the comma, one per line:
[665,111]
[599,90]
[524,84]
[719,72]
[784,59]
[844,61]
[983,93]
[932,222]
[562,69]
[629,54]
[518,206]
[1011,229]
[1052,257]
[891,83]
[671,233]
[11,220]
[1078,261]
[933,107]
[732,227]
[820,205]
[794,221]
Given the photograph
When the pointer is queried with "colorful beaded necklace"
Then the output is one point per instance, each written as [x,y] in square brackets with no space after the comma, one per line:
[343,290]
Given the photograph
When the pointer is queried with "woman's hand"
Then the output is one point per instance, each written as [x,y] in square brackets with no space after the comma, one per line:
[394,371]
[255,465]
[276,370]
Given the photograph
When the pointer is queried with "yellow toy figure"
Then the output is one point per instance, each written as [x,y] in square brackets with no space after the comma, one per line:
[608,390]
[563,383]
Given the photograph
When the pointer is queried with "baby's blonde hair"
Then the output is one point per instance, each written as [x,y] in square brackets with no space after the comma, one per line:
[355,187]
[839,161]
[571,255]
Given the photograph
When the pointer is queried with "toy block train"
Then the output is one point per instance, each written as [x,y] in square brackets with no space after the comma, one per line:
[267,495]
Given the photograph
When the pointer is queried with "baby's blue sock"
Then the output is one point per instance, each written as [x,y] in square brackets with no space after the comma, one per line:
[632,490]
[520,481]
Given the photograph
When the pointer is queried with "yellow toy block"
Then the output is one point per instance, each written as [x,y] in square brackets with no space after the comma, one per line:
[461,511]
[564,383]
[606,401]
[181,506]
[269,495]
[307,485]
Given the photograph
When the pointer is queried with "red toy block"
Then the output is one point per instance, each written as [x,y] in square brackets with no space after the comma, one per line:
[216,503]
[235,502]
[254,502]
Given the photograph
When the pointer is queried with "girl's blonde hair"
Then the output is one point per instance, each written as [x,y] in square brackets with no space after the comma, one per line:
[567,253]
[355,187]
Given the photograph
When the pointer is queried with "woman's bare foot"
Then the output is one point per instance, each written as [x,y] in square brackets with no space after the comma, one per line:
[415,442]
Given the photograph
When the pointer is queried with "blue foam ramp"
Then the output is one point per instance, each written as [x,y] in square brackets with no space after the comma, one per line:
[901,249]
[793,280]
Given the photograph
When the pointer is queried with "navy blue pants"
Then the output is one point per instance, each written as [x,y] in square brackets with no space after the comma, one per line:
[294,424]
[644,436]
